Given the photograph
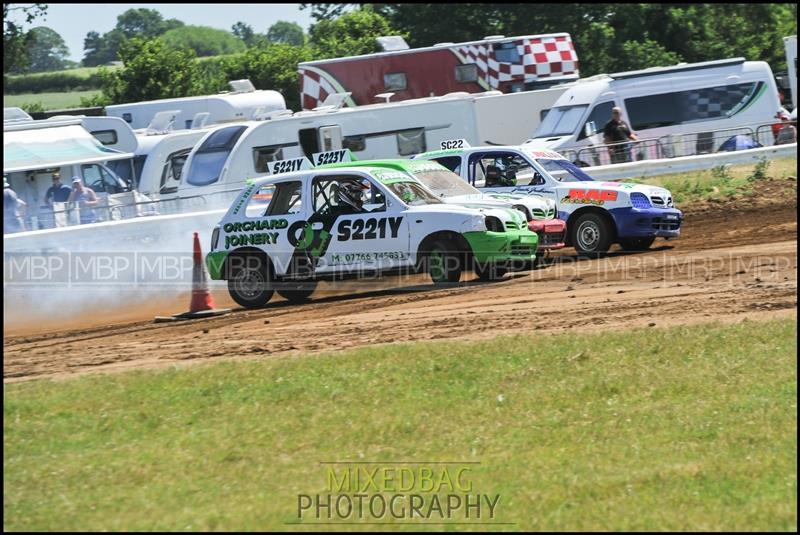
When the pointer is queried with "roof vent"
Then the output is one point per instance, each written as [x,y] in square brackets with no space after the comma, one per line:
[241,86]
[162,122]
[333,102]
[200,120]
[448,43]
[391,43]
[386,96]
[15,114]
[493,37]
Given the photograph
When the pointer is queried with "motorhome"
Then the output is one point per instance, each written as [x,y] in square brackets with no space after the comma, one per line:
[241,103]
[685,109]
[229,154]
[34,151]
[506,64]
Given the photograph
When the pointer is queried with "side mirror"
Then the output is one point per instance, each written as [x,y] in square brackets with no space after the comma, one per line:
[590,129]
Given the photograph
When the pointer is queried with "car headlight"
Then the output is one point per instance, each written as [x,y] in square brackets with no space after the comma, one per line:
[493,224]
[640,200]
[474,224]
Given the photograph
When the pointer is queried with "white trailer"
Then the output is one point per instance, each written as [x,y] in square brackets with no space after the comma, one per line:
[694,100]
[230,154]
[242,103]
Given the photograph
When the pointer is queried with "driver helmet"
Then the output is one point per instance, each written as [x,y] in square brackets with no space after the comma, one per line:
[351,193]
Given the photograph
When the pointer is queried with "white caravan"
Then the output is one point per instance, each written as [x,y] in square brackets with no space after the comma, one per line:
[32,153]
[241,103]
[230,154]
[702,104]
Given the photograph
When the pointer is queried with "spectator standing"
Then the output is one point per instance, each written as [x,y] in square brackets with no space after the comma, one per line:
[86,199]
[616,131]
[12,222]
[58,192]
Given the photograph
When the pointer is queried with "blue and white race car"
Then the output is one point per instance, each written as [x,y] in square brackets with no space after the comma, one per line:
[597,213]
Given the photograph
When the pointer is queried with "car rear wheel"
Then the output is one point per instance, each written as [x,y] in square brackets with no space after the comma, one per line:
[591,234]
[250,285]
[636,244]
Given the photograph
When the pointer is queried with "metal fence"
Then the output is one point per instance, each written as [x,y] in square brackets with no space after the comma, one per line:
[122,206]
[678,145]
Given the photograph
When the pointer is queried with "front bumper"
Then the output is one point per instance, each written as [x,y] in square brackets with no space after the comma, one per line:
[552,233]
[647,222]
[214,263]
[489,247]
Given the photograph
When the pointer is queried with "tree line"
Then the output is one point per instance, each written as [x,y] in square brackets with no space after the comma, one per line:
[160,56]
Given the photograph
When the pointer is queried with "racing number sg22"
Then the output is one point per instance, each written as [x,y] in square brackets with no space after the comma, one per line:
[368,229]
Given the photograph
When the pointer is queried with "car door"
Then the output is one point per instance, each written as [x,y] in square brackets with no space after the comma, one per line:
[373,238]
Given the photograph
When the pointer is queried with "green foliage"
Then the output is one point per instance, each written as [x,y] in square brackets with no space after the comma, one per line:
[32,107]
[204,40]
[48,52]
[244,32]
[721,172]
[759,171]
[289,33]
[142,23]
[608,37]
[270,67]
[351,34]
[17,41]
[96,100]
[152,71]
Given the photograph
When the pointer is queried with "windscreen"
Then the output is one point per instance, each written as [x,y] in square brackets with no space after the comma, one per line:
[564,170]
[561,121]
[412,193]
[445,183]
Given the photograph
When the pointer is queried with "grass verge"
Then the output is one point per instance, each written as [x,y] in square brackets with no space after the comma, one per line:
[722,182]
[686,428]
[49,101]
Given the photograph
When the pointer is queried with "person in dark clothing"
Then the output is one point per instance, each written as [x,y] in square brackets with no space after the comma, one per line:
[58,192]
[616,131]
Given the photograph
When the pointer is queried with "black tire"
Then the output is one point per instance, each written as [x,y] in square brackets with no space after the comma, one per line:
[444,262]
[250,284]
[591,234]
[636,244]
[297,292]
[490,272]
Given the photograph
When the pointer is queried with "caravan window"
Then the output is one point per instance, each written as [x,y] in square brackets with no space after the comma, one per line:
[263,155]
[210,158]
[411,142]
[171,174]
[702,104]
[354,143]
[561,121]
[506,53]
[106,137]
[467,73]
[127,172]
[394,81]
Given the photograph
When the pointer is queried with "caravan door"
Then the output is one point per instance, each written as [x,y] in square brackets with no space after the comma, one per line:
[322,139]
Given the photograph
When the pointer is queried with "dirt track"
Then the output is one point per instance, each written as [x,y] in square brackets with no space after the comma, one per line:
[729,264]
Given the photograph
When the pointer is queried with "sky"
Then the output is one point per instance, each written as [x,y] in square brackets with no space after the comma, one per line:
[74,21]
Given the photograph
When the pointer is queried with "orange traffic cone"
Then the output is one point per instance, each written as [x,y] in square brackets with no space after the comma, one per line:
[202,304]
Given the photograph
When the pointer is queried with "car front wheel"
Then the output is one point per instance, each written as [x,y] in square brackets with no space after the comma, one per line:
[591,234]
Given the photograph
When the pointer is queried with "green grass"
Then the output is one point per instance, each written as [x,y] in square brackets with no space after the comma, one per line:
[50,101]
[688,428]
[83,72]
[720,182]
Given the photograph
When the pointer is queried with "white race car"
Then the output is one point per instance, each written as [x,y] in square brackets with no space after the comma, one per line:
[598,214]
[286,232]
